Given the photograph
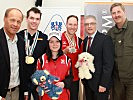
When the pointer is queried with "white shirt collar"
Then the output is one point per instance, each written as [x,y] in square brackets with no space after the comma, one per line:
[8,38]
[93,35]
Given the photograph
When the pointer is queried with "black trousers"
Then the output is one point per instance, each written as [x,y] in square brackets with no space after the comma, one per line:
[32,90]
[95,95]
[74,90]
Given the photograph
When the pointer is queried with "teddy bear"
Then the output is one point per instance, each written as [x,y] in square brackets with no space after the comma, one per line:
[45,82]
[85,65]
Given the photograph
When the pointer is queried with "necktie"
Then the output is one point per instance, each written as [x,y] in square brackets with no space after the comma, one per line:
[89,43]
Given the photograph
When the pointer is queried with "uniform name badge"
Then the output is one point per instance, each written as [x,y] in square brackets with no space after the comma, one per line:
[29,60]
[72,50]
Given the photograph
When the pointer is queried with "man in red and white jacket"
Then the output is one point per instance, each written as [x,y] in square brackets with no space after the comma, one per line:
[71,46]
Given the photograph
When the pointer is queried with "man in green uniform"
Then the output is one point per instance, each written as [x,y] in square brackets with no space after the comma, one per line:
[122,35]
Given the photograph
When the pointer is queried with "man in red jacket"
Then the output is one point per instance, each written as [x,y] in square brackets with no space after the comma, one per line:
[71,47]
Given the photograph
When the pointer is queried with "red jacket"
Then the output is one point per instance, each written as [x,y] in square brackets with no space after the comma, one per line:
[73,56]
[59,68]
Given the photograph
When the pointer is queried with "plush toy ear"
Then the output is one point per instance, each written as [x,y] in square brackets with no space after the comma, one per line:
[35,81]
[46,72]
[79,56]
[92,58]
[76,65]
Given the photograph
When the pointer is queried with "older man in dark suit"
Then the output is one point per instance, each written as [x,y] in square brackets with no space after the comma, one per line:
[11,56]
[101,47]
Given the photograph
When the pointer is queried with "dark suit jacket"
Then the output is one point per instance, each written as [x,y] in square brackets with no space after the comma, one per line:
[5,63]
[39,50]
[103,52]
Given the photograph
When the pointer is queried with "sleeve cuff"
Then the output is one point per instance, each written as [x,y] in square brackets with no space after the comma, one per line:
[0,97]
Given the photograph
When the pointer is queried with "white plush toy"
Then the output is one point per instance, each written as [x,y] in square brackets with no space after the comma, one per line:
[85,65]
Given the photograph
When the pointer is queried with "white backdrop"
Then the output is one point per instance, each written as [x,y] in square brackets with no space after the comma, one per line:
[102,13]
[57,16]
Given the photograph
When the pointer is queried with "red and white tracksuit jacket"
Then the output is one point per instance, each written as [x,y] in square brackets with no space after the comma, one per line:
[73,56]
[59,68]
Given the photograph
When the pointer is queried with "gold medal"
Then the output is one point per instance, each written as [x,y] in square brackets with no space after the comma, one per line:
[29,60]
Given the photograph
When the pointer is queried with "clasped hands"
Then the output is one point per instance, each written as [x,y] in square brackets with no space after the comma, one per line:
[59,84]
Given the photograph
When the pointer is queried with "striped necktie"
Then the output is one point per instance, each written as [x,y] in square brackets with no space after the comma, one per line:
[89,43]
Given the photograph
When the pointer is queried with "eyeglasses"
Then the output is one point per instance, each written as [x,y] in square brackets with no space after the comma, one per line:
[91,24]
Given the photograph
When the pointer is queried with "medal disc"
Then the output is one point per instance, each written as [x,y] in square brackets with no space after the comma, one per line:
[72,50]
[29,60]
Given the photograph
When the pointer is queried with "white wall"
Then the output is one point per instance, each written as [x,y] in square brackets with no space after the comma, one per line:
[24,5]
[69,3]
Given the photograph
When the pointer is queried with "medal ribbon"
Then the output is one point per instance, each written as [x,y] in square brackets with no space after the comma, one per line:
[30,49]
[71,41]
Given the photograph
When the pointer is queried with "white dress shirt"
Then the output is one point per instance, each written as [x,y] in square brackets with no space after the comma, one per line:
[92,36]
[14,61]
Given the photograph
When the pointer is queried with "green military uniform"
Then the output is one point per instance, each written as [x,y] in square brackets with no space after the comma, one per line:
[123,71]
